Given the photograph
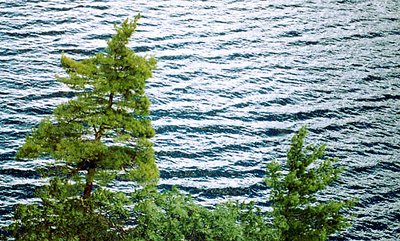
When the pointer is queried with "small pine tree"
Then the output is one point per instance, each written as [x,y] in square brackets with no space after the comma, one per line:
[298,213]
[101,134]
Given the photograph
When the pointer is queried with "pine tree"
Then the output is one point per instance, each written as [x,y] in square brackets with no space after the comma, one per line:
[298,211]
[100,135]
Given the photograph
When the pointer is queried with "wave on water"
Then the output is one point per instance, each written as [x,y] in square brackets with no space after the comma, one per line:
[235,80]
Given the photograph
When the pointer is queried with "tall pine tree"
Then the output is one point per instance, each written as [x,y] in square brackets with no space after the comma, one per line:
[100,135]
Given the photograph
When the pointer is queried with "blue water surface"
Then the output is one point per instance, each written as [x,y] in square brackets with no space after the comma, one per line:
[235,80]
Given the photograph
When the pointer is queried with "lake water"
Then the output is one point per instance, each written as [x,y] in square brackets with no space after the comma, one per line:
[235,80]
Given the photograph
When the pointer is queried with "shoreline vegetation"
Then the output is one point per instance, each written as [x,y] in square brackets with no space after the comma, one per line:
[103,135]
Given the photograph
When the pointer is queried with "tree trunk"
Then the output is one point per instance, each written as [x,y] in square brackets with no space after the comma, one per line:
[89,183]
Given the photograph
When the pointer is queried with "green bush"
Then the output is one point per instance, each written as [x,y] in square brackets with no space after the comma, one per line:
[174,216]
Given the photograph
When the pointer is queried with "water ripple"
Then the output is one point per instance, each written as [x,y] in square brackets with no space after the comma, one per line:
[234,81]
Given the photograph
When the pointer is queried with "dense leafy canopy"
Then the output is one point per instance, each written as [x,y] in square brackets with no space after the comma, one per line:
[174,216]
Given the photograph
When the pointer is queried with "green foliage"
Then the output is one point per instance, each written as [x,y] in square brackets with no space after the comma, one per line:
[62,217]
[298,213]
[106,127]
[174,216]
[101,134]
